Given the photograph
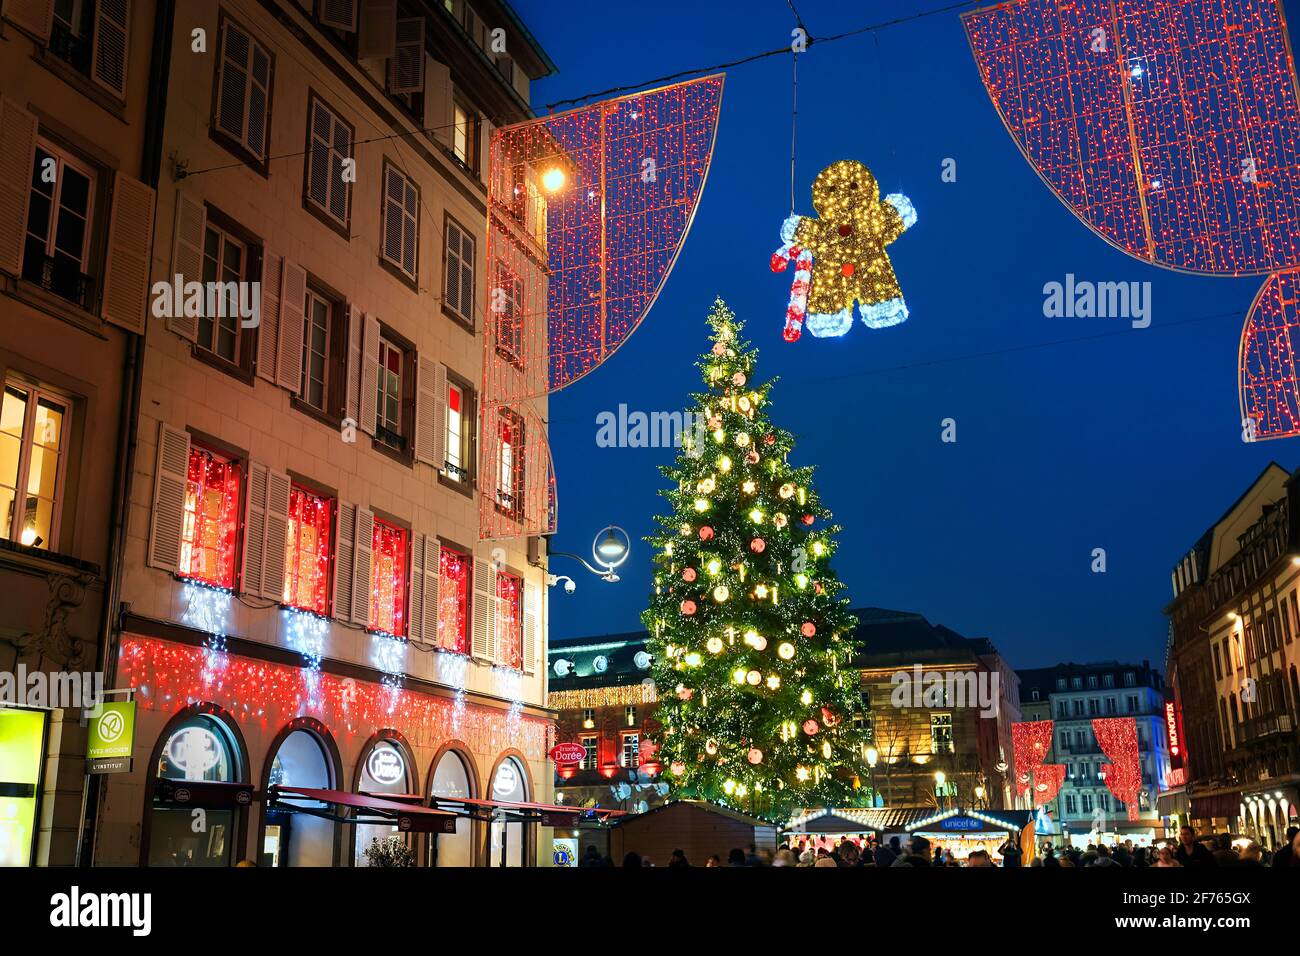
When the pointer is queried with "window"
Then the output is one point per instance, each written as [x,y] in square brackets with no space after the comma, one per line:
[1111,707]
[1065,741]
[453,600]
[510,472]
[313,389]
[225,260]
[1129,679]
[1218,664]
[1060,683]
[33,450]
[1034,693]
[1286,620]
[1108,680]
[72,33]
[630,752]
[507,300]
[59,213]
[401,222]
[1093,707]
[1078,708]
[1069,803]
[1062,709]
[1092,680]
[464,135]
[307,577]
[388,557]
[458,466]
[388,402]
[1076,683]
[941,733]
[629,715]
[590,760]
[241,119]
[210,523]
[327,192]
[199,749]
[588,718]
[91,37]
[458,282]
[1132,703]
[510,621]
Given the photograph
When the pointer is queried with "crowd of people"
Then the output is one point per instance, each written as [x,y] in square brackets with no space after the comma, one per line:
[1190,852]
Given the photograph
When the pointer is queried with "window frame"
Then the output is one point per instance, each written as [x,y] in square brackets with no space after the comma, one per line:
[590,744]
[518,616]
[468,438]
[390,342]
[467,554]
[518,477]
[200,444]
[25,447]
[227,141]
[623,738]
[508,333]
[316,101]
[64,156]
[464,321]
[335,357]
[299,486]
[397,269]
[408,538]
[473,126]
[245,338]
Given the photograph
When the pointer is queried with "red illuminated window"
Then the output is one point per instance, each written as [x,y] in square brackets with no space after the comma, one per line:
[388,578]
[510,622]
[211,519]
[307,561]
[453,601]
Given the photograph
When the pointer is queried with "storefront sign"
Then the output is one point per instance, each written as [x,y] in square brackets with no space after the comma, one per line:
[1175,727]
[564,851]
[568,753]
[22,745]
[386,766]
[961,823]
[111,737]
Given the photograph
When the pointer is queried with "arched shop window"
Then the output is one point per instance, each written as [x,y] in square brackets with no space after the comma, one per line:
[198,749]
[385,769]
[451,779]
[509,784]
[299,839]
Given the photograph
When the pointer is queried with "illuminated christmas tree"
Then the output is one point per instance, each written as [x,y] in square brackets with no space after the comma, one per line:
[751,640]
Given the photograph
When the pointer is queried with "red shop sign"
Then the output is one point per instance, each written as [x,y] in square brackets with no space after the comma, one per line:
[568,753]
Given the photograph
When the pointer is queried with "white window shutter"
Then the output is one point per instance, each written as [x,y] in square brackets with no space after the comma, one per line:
[362,544]
[268,333]
[377,30]
[415,594]
[438,116]
[406,67]
[126,270]
[344,536]
[252,573]
[112,35]
[369,375]
[483,642]
[259,100]
[340,14]
[440,389]
[532,617]
[170,477]
[432,583]
[288,356]
[233,80]
[187,259]
[17,155]
[356,327]
[277,534]
[34,16]
[428,448]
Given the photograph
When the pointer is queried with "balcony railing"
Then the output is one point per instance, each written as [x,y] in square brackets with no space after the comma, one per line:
[58,275]
[1267,725]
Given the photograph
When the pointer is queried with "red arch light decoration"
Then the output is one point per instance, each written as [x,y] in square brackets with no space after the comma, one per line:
[1031,741]
[1118,739]
[587,213]
[1270,341]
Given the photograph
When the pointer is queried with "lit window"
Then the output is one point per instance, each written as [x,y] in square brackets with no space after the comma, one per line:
[315,350]
[630,755]
[453,601]
[59,208]
[388,401]
[460,426]
[33,426]
[464,136]
[629,715]
[388,578]
[307,562]
[507,299]
[510,621]
[224,261]
[590,756]
[510,477]
[211,521]
[588,718]
[941,733]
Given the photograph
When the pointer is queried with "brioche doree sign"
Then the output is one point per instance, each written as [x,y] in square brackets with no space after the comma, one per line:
[568,753]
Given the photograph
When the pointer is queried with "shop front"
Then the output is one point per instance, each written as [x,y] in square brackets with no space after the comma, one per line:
[22,749]
[958,831]
[1266,813]
[962,832]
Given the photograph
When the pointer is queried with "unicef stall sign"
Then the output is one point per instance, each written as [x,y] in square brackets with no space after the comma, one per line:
[111,737]
[961,823]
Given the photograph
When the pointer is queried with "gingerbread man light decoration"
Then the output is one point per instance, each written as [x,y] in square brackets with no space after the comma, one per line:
[840,254]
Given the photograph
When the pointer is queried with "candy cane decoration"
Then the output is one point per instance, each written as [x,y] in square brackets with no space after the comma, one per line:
[798,307]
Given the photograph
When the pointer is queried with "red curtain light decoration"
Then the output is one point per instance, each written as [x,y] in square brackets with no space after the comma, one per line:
[510,621]
[587,213]
[1267,378]
[1170,127]
[388,579]
[168,677]
[211,519]
[1031,742]
[307,565]
[453,601]
[1118,739]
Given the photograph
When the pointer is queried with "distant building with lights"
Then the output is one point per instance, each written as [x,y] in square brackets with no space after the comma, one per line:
[1072,696]
[1234,654]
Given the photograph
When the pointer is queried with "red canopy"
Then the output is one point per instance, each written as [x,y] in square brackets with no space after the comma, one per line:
[407,816]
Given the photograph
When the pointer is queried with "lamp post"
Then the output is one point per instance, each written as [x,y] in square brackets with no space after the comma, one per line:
[609,550]
[979,796]
[939,779]
[872,756]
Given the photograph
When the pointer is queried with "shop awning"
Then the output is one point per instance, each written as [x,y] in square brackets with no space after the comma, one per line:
[407,817]
[906,820]
[548,814]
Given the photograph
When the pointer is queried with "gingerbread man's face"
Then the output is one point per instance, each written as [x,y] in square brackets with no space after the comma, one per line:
[842,188]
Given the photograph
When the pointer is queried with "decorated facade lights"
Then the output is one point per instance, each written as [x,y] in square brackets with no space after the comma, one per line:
[306,633]
[207,609]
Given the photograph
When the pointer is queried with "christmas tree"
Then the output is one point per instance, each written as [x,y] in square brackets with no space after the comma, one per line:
[752,642]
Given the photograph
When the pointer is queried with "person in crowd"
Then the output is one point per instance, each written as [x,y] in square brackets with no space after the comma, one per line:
[678,859]
[807,858]
[826,860]
[1104,858]
[632,860]
[751,856]
[850,855]
[1049,856]
[784,857]
[591,857]
[1010,853]
[763,857]
[1252,856]
[1289,853]
[887,853]
[1191,852]
[713,862]
[1223,851]
[736,857]
[979,858]
[1066,861]
[918,853]
[1122,855]
[1165,857]
[1140,860]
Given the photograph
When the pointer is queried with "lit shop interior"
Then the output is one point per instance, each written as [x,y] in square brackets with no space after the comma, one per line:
[958,831]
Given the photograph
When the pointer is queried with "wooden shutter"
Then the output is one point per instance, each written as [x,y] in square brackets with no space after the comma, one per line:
[415,594]
[377,30]
[406,66]
[369,374]
[34,16]
[483,642]
[259,100]
[268,333]
[170,476]
[432,583]
[277,534]
[112,33]
[344,536]
[187,260]
[440,419]
[288,355]
[362,545]
[532,618]
[232,80]
[340,14]
[126,270]
[252,572]
[437,100]
[430,426]
[356,327]
[17,156]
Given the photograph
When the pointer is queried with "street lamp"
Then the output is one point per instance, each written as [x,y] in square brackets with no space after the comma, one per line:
[939,778]
[979,794]
[873,755]
[609,549]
